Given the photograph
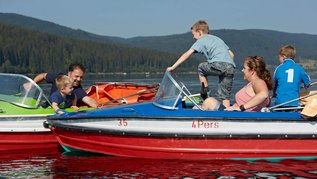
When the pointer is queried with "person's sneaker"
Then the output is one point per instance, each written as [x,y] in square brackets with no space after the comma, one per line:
[204,91]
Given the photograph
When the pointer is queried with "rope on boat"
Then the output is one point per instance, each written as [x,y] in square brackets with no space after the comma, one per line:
[123,98]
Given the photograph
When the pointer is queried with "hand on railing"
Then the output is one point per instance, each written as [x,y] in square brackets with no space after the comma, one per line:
[27,86]
[170,69]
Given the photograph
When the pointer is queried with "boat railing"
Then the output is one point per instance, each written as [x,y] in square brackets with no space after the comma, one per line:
[276,107]
[189,96]
[171,92]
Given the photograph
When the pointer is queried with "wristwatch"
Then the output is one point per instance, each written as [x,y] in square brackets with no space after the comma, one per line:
[242,108]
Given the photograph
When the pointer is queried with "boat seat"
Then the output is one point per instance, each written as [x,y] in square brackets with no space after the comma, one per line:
[309,98]
[310,109]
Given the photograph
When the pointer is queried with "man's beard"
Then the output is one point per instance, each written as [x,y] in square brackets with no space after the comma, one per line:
[76,83]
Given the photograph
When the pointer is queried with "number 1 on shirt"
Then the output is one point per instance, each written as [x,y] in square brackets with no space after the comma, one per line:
[290,75]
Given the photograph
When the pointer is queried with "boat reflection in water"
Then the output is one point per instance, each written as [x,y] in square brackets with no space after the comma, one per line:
[123,167]
[56,165]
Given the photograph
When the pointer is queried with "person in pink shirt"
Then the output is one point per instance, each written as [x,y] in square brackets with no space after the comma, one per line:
[254,95]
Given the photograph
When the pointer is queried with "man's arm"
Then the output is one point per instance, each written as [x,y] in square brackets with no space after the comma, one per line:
[40,77]
[90,101]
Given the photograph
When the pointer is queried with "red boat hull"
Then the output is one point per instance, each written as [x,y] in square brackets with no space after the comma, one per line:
[27,142]
[185,148]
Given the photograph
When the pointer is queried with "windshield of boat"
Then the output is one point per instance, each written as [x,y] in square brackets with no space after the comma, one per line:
[171,92]
[20,90]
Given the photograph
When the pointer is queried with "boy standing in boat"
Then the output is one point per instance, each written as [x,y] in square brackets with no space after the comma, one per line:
[64,96]
[288,77]
[219,61]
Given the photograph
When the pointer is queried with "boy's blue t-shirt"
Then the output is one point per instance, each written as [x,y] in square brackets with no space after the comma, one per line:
[62,102]
[288,77]
[213,48]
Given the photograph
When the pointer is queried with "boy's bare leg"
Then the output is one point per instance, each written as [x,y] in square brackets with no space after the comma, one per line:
[203,79]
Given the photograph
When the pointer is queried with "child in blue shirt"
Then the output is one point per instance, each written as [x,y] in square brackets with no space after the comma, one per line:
[288,77]
[219,61]
[64,96]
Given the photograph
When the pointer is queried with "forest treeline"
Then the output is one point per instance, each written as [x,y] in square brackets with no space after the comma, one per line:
[29,45]
[28,51]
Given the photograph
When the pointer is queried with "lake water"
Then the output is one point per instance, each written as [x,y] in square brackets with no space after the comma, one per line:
[58,165]
[67,165]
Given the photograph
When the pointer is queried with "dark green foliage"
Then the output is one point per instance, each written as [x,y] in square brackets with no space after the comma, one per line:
[29,45]
[27,51]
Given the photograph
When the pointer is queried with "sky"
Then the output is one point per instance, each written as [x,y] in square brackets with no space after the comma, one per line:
[132,18]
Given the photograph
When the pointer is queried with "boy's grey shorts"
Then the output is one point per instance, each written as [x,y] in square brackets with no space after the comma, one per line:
[225,71]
